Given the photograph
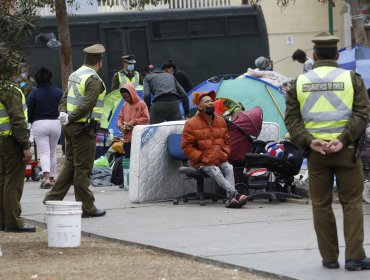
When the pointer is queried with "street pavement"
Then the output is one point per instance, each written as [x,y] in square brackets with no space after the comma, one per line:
[274,238]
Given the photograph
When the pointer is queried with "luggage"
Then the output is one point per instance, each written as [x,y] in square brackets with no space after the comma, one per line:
[117,172]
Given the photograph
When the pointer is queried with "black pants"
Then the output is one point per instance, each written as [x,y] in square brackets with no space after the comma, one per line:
[161,111]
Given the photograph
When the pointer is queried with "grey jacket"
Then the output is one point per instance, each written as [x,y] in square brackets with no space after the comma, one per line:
[159,83]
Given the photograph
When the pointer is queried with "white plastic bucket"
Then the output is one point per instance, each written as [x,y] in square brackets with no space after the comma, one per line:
[64,223]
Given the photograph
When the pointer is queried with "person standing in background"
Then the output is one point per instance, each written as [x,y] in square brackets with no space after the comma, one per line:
[15,149]
[134,111]
[302,58]
[127,73]
[80,109]
[42,104]
[184,81]
[166,92]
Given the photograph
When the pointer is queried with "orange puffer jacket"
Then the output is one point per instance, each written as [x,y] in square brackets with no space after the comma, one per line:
[206,144]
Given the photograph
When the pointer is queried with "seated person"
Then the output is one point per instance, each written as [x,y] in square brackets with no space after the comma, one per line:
[134,111]
[206,143]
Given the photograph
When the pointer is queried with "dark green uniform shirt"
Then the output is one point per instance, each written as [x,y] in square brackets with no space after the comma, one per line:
[93,88]
[355,125]
[12,100]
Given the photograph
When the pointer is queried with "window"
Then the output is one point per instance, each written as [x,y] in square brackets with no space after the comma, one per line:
[207,27]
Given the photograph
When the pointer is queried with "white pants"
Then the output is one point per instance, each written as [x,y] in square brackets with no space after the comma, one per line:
[46,134]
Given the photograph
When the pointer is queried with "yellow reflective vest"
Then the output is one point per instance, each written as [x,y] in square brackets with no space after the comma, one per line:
[76,93]
[325,95]
[5,125]
[122,78]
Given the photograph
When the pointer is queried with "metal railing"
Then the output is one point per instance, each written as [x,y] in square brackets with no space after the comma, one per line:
[114,6]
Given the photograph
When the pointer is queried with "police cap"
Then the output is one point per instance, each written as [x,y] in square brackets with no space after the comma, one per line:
[325,40]
[95,50]
[129,58]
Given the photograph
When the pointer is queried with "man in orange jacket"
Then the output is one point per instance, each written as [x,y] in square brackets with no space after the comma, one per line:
[206,143]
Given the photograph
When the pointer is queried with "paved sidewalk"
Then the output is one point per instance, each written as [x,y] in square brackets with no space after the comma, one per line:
[274,238]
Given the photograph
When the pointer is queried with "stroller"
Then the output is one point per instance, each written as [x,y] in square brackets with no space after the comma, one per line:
[33,168]
[256,171]
[274,173]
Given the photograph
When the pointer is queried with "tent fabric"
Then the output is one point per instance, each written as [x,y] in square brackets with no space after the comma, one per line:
[356,59]
[252,92]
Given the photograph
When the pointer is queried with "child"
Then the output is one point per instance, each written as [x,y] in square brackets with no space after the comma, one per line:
[133,112]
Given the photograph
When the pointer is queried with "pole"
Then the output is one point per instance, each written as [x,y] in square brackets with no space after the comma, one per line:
[273,99]
[330,14]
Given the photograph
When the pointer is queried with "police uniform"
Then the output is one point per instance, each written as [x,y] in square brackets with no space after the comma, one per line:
[329,103]
[123,76]
[83,102]
[14,140]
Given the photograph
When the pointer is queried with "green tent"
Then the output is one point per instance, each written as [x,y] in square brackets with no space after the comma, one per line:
[255,92]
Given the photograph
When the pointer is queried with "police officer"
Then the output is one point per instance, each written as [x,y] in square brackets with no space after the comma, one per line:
[14,153]
[127,73]
[80,108]
[327,110]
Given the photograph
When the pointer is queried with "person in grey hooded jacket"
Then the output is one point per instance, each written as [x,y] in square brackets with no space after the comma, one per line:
[162,93]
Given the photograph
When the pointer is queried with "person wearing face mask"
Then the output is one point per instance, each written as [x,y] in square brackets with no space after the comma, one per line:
[14,145]
[206,142]
[80,109]
[127,73]
[263,64]
[24,81]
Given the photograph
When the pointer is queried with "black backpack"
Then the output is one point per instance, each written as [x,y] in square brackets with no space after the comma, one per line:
[117,172]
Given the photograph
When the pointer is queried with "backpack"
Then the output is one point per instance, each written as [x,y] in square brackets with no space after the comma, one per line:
[117,172]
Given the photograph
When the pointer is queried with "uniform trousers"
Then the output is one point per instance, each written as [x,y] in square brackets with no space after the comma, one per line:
[349,181]
[12,169]
[77,167]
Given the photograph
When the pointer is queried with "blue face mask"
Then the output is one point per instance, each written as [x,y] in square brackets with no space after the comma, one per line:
[130,67]
[269,68]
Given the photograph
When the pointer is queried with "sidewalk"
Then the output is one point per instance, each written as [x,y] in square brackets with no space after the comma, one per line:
[273,238]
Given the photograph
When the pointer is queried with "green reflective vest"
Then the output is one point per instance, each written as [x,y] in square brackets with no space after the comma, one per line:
[76,93]
[325,95]
[5,126]
[122,78]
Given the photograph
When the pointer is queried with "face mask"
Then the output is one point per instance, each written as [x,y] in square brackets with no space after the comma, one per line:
[130,67]
[269,68]
[24,75]
[209,110]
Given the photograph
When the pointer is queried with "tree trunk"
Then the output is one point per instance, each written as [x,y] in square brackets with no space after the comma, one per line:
[358,23]
[64,38]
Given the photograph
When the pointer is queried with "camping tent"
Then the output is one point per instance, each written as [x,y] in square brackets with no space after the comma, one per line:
[252,92]
[357,59]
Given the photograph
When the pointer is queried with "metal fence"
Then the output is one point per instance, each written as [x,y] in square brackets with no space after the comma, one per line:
[114,6]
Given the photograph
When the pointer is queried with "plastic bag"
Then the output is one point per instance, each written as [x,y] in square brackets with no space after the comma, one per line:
[101,162]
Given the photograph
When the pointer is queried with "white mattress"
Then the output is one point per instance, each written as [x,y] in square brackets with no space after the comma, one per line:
[269,132]
[154,174]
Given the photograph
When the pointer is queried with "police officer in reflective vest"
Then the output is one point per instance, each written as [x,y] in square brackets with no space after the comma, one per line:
[80,110]
[127,73]
[327,111]
[14,154]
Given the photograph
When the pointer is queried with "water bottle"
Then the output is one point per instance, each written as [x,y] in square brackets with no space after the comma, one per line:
[126,173]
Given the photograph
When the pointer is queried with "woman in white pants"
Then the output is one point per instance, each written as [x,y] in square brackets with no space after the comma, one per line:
[43,114]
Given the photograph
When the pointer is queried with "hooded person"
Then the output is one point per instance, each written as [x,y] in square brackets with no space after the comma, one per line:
[133,112]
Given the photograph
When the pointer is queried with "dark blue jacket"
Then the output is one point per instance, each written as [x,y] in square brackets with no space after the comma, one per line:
[42,103]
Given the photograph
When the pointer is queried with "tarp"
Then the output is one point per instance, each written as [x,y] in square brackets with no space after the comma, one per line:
[252,92]
[113,103]
[356,59]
